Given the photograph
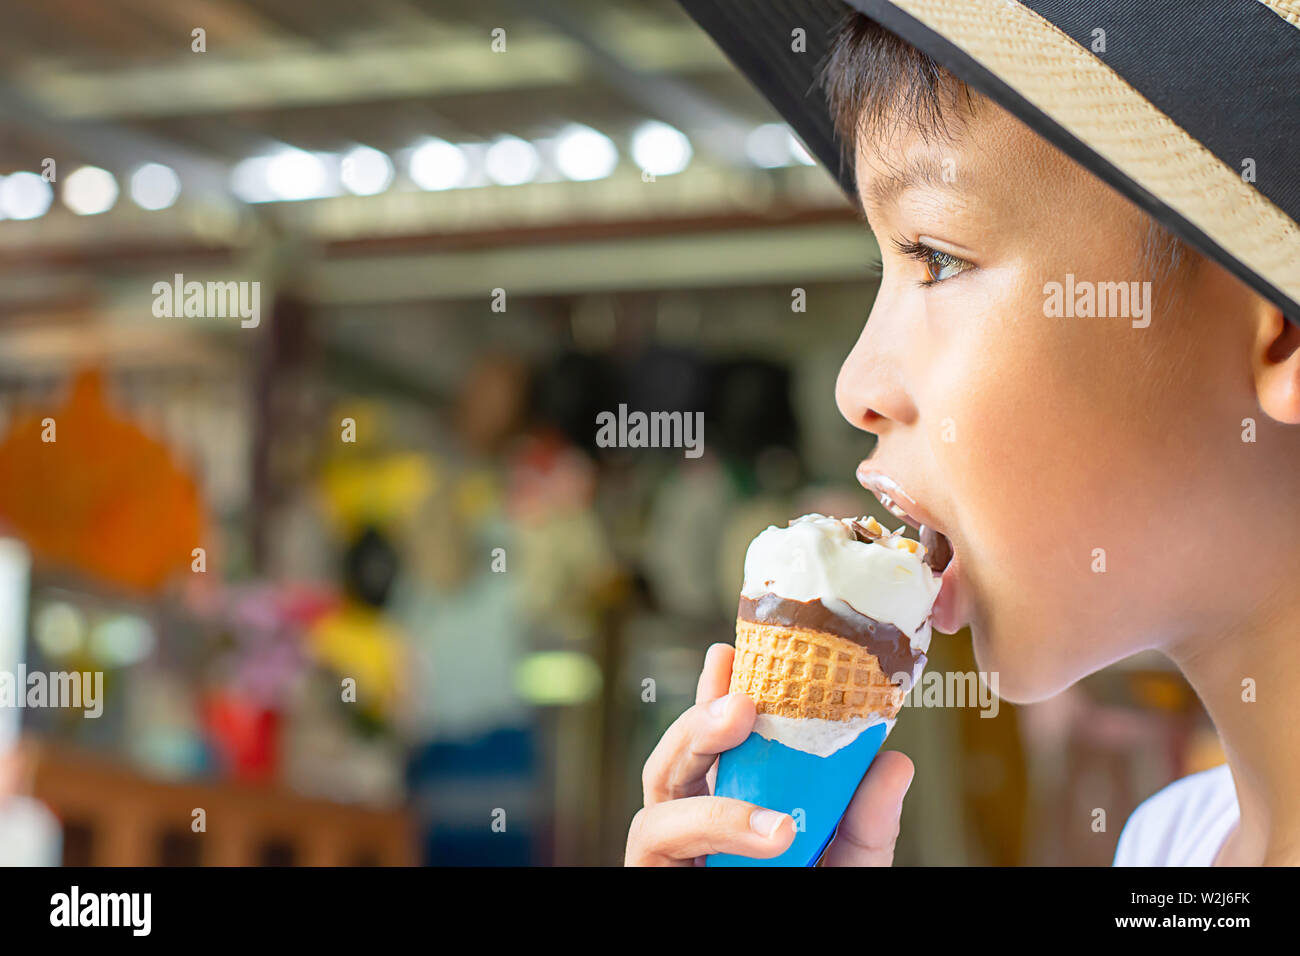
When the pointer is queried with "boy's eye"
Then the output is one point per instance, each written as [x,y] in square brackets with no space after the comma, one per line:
[939,265]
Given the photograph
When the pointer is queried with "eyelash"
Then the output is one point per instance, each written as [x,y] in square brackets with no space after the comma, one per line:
[926,255]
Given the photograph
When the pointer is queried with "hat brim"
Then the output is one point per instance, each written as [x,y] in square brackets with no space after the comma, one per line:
[1182,161]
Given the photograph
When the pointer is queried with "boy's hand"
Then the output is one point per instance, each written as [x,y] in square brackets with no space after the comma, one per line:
[680,823]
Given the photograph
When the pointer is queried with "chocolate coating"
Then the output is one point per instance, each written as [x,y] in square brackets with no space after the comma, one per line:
[886,641]
[938,549]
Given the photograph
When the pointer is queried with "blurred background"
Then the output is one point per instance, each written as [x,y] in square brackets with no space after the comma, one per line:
[362,586]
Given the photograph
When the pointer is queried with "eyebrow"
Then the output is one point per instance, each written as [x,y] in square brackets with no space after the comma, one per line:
[923,171]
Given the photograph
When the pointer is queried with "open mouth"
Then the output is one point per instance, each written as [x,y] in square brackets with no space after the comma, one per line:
[938,549]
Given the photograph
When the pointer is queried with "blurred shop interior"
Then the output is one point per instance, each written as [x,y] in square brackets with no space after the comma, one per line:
[362,585]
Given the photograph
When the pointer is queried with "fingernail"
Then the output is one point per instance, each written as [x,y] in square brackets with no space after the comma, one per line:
[765,822]
[718,706]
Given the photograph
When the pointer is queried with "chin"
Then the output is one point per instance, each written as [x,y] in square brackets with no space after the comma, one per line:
[1022,677]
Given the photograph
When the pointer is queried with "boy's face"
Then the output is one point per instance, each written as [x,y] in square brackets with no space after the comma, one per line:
[1080,466]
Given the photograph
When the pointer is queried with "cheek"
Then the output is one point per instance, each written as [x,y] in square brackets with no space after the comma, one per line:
[996,448]
[1025,549]
[1050,466]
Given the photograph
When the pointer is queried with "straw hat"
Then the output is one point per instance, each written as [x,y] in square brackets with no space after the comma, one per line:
[1190,108]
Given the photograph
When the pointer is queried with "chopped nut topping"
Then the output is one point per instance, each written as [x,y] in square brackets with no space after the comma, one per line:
[865,531]
[868,531]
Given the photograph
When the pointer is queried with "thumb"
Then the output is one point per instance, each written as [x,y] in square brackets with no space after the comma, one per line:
[869,829]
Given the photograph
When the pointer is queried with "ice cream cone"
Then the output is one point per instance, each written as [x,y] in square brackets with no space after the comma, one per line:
[832,629]
[797,672]
[792,672]
[814,790]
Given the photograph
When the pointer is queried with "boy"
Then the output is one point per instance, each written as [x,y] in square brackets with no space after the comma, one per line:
[1111,479]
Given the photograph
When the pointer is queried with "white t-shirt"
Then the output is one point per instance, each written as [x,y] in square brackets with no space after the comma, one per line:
[29,834]
[1184,824]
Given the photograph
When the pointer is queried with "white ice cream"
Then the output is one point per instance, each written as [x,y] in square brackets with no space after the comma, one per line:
[820,558]
[814,735]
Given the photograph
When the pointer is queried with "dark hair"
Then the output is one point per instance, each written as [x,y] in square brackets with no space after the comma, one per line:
[874,79]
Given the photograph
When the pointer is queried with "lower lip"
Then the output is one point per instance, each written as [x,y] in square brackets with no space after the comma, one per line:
[948,615]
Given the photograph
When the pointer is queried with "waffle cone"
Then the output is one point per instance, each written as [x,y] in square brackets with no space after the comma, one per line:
[797,672]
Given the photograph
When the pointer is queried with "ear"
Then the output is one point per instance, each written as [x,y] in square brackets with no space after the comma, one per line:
[1277,365]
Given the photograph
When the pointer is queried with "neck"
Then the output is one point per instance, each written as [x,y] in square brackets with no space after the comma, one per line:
[1247,680]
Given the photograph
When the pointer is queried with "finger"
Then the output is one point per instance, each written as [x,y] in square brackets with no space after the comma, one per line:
[715,678]
[869,830]
[678,765]
[678,832]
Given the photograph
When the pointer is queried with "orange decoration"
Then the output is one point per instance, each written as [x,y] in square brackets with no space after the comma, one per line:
[103,497]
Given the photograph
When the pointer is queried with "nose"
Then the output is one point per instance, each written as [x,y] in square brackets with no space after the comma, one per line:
[870,391]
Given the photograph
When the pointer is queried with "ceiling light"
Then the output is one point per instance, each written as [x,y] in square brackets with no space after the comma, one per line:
[155,186]
[768,146]
[660,150]
[248,179]
[437,164]
[90,191]
[295,174]
[25,196]
[365,171]
[511,161]
[583,154]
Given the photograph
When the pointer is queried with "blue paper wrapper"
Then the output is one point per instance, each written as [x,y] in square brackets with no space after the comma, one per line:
[814,790]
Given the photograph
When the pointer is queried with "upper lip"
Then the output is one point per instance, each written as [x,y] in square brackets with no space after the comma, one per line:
[940,552]
[896,501]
